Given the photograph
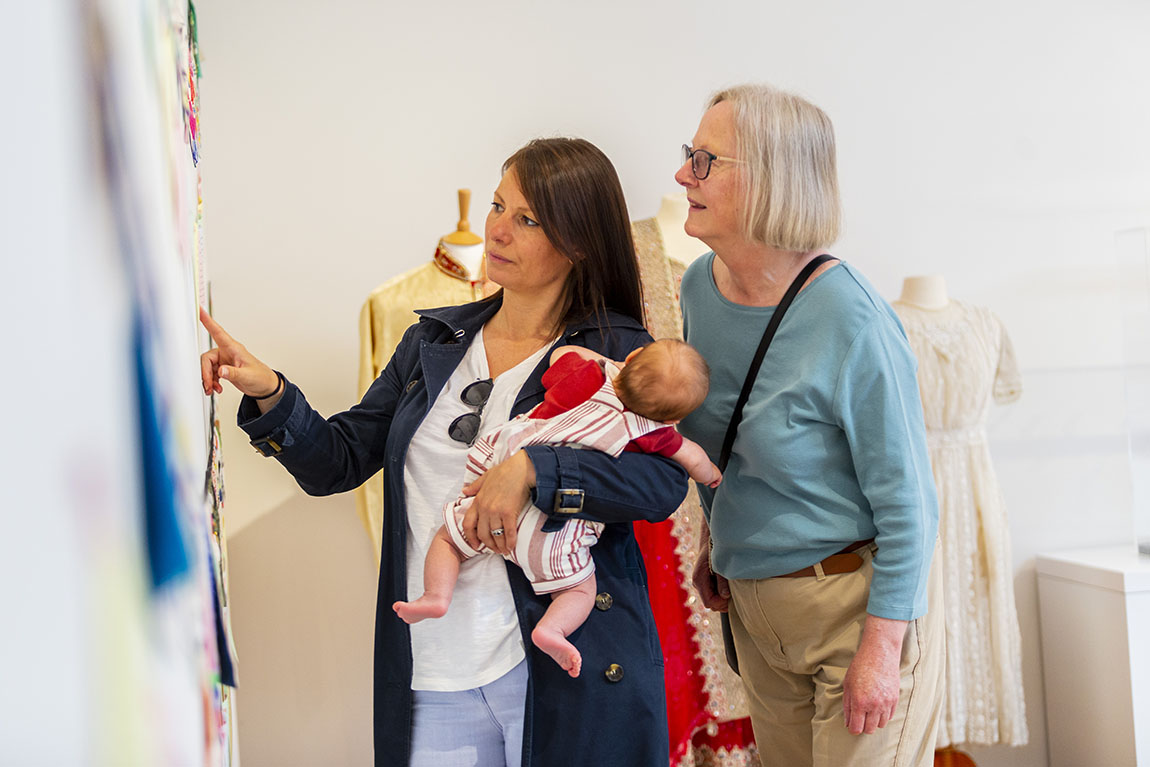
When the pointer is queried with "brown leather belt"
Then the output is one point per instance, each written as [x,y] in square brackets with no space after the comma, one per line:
[845,561]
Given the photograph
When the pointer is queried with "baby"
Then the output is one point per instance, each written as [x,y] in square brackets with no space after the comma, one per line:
[594,403]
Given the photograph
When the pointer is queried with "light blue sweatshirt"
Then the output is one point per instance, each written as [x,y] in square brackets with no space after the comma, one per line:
[831,448]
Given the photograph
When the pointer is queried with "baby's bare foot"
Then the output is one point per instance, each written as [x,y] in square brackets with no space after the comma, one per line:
[421,609]
[552,642]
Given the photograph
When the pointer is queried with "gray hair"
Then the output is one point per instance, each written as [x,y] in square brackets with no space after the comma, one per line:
[788,143]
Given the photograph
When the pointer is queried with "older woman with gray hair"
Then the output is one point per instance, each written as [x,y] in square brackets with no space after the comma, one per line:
[822,533]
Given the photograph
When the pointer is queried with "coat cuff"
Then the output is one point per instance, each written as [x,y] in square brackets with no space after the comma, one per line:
[270,431]
[558,491]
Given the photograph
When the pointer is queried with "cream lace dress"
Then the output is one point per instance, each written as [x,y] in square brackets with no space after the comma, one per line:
[965,360]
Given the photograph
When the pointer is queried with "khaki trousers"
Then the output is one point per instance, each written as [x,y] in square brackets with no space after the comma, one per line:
[796,637]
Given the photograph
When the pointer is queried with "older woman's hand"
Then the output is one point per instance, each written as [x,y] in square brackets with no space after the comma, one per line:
[500,494]
[871,686]
[713,588]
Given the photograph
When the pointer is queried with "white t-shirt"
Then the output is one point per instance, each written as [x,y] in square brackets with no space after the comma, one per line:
[478,640]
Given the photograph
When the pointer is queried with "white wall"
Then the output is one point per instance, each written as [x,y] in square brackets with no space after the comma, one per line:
[1002,144]
[46,680]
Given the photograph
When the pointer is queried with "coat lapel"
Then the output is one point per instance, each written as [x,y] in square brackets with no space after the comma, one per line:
[438,362]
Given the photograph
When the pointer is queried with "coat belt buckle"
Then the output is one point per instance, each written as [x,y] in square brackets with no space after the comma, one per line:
[266,446]
[568,501]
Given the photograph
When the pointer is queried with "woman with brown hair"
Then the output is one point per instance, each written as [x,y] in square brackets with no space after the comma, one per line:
[471,688]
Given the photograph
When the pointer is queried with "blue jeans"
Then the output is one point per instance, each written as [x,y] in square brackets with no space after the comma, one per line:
[471,728]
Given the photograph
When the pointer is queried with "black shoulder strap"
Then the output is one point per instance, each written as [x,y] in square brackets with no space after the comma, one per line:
[757,360]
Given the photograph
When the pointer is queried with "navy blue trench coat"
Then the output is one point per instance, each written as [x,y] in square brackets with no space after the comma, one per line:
[613,714]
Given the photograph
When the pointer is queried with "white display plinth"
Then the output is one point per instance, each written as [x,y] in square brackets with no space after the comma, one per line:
[1095,616]
[1133,247]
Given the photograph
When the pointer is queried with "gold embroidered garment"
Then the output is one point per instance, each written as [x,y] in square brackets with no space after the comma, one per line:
[388,311]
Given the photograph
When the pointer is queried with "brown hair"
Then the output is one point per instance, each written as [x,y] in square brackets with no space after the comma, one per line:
[576,197]
[665,381]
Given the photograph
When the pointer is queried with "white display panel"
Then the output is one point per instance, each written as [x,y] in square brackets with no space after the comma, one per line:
[1133,249]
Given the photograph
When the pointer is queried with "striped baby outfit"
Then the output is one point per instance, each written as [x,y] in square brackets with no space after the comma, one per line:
[557,560]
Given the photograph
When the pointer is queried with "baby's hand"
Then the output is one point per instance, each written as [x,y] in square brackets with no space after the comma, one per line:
[711,476]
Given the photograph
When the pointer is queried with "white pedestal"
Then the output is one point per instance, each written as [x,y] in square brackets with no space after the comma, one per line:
[1095,614]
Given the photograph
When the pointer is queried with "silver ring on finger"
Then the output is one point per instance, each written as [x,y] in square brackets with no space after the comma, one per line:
[497,531]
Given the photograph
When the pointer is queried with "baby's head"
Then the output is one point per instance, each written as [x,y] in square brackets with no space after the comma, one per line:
[663,381]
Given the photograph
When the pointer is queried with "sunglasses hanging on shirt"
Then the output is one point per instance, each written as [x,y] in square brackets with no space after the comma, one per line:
[465,428]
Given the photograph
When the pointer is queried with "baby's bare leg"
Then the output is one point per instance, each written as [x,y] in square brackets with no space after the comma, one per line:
[440,572]
[569,609]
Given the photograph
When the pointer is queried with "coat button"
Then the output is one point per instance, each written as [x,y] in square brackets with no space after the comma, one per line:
[603,601]
[614,672]
[411,385]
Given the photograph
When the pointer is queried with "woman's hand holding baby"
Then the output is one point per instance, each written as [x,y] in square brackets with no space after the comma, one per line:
[500,495]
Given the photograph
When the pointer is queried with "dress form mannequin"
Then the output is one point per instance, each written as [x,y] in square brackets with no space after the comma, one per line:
[460,253]
[454,275]
[925,292]
[965,363]
[679,245]
[707,709]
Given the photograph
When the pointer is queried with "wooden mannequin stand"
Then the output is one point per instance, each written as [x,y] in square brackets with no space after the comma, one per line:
[950,757]
[463,234]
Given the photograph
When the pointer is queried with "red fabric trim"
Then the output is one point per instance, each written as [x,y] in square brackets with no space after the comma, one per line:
[682,670]
[449,265]
[688,720]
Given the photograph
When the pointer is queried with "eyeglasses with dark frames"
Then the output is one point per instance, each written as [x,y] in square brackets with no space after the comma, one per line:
[465,428]
[701,160]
